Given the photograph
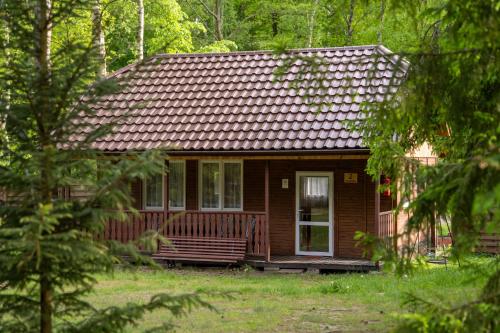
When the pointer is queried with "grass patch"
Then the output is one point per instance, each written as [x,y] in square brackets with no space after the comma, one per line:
[267,302]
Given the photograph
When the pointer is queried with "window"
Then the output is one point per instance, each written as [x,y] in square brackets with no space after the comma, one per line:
[153,192]
[210,185]
[232,185]
[176,185]
[221,185]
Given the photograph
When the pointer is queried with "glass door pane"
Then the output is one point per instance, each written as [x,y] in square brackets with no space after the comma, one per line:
[314,213]
[314,238]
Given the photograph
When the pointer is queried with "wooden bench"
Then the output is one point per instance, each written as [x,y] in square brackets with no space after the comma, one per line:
[220,250]
[489,243]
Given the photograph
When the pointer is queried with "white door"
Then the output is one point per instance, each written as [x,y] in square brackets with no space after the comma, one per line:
[314,213]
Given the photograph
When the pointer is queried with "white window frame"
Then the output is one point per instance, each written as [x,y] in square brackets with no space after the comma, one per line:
[183,162]
[221,185]
[144,193]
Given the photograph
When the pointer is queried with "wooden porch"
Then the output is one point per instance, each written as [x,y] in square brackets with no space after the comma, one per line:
[313,262]
[214,237]
[249,227]
[264,232]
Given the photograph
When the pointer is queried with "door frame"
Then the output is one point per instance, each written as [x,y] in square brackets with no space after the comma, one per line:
[330,223]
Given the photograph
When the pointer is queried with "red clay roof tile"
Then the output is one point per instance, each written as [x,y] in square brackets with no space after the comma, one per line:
[233,101]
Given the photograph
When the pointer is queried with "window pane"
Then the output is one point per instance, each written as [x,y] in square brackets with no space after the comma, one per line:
[313,200]
[154,191]
[176,185]
[210,191]
[232,185]
[314,238]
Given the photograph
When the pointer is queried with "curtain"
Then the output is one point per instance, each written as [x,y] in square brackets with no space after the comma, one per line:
[154,191]
[176,185]
[232,185]
[210,190]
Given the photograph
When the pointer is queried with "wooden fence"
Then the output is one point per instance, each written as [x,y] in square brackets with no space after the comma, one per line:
[193,224]
[488,243]
[387,225]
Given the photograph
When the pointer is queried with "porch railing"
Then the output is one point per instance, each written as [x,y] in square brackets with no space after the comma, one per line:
[196,224]
[387,225]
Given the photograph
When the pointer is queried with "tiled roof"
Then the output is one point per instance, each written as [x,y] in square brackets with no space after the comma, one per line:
[232,101]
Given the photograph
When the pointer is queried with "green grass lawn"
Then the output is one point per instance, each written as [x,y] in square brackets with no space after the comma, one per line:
[277,302]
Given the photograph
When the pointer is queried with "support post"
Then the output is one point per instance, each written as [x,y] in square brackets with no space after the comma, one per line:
[395,217]
[266,205]
[165,186]
[377,212]
[162,223]
[433,233]
[377,207]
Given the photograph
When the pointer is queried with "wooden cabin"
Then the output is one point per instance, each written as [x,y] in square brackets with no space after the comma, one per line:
[256,172]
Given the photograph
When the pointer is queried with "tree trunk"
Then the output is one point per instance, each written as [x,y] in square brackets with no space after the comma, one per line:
[42,59]
[43,36]
[349,23]
[311,21]
[99,41]
[45,306]
[6,40]
[219,17]
[42,29]
[140,30]
[217,12]
[381,20]
[274,23]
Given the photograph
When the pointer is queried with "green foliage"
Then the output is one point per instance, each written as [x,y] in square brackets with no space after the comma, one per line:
[49,254]
[167,30]
[478,316]
[219,46]
[450,101]
[265,24]
[334,287]
[452,88]
[365,303]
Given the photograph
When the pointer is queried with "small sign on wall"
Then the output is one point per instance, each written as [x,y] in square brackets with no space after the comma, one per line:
[351,178]
[284,183]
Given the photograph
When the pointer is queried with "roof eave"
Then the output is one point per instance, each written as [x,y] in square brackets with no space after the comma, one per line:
[338,151]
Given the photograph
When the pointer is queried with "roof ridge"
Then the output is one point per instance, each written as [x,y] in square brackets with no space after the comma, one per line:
[393,57]
[222,54]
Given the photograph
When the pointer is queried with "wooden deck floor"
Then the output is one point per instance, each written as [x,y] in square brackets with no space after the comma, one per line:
[308,262]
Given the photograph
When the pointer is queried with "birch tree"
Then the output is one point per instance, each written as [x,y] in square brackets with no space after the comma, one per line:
[381,22]
[311,18]
[99,39]
[140,30]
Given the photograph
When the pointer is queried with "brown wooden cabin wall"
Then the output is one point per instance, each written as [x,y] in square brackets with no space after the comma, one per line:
[191,185]
[386,203]
[253,185]
[353,204]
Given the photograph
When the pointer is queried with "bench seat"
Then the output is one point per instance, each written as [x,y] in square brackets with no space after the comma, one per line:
[220,250]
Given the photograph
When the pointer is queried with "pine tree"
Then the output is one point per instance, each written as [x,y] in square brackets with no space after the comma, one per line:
[49,254]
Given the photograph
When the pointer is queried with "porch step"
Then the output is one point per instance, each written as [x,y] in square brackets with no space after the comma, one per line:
[226,250]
